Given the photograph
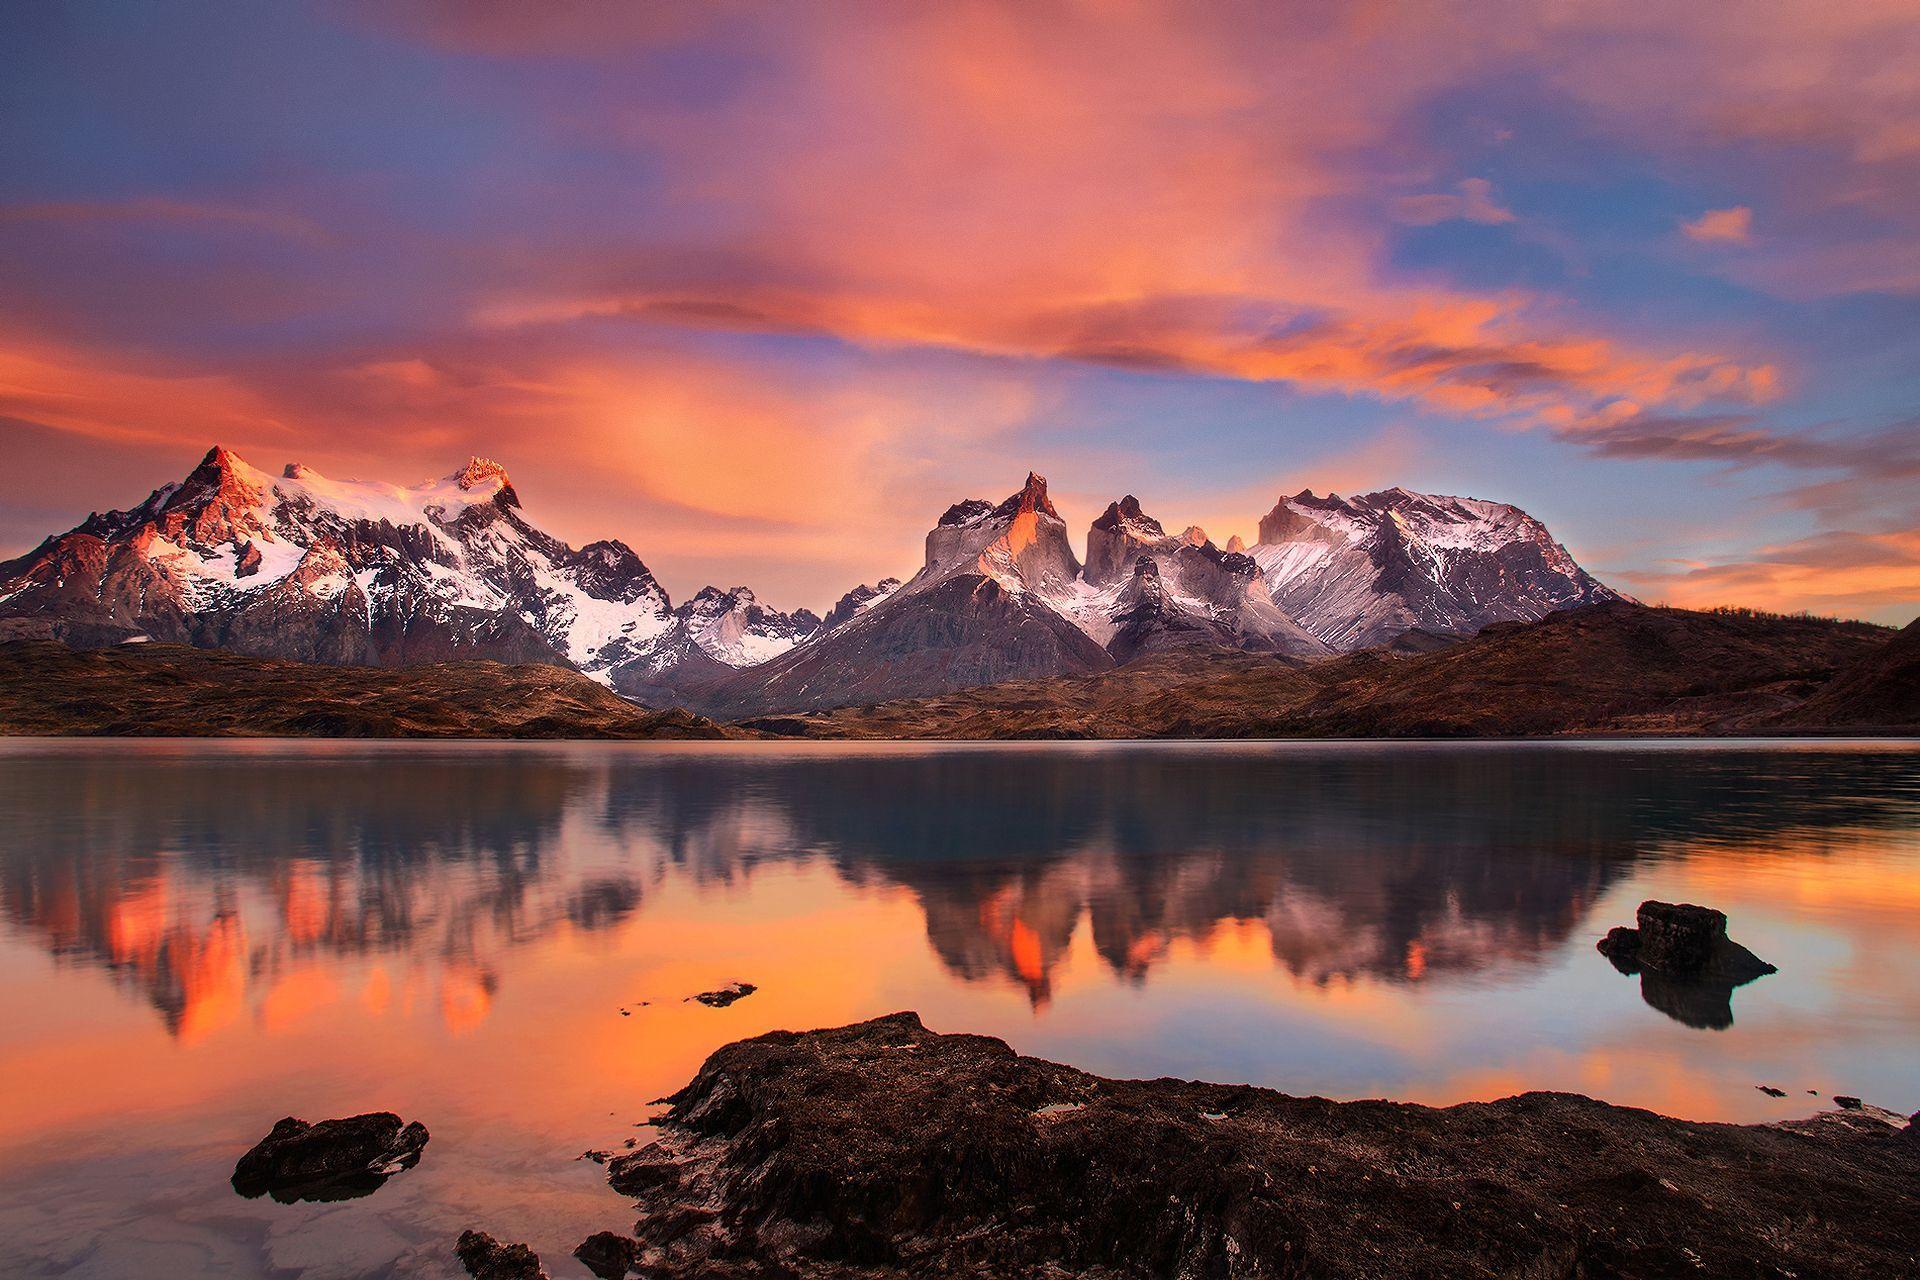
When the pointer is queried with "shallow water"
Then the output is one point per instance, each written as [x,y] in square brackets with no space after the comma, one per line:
[196,939]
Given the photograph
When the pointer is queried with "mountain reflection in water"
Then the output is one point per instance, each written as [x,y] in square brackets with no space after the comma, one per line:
[197,939]
[202,880]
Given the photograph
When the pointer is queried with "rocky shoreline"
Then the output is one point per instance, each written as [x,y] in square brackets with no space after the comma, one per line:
[882,1149]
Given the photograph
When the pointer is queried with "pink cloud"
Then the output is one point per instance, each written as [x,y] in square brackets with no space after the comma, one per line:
[1721,226]
[1471,201]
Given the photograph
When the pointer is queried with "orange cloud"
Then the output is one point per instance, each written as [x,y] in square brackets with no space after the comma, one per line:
[1152,186]
[96,396]
[1721,226]
[1839,572]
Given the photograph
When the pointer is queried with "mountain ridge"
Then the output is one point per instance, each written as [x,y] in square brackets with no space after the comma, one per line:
[301,566]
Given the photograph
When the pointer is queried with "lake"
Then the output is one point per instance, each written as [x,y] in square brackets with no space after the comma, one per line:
[499,940]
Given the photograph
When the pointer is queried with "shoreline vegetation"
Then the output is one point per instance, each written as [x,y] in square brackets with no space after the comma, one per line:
[883,1149]
[1609,670]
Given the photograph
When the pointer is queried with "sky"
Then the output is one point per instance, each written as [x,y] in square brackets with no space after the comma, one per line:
[761,289]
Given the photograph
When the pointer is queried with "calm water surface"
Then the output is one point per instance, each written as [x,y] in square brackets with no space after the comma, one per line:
[196,939]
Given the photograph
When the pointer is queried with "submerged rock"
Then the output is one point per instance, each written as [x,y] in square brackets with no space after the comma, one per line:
[331,1160]
[607,1254]
[1688,966]
[726,995]
[884,1150]
[488,1259]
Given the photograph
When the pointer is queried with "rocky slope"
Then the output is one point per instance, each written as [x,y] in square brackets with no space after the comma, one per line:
[1610,668]
[1357,572]
[883,1150]
[1880,690]
[165,690]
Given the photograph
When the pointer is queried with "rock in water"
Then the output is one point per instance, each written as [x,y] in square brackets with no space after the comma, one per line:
[1684,941]
[1679,937]
[607,1254]
[884,1151]
[1688,966]
[332,1160]
[488,1259]
[726,995]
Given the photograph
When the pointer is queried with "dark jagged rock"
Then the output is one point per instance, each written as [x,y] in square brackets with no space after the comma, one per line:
[725,995]
[248,562]
[488,1259]
[607,1254]
[1688,967]
[331,1160]
[861,596]
[1682,940]
[884,1150]
[1846,1103]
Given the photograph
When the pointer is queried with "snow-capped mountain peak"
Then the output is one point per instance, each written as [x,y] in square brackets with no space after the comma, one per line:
[734,628]
[1360,571]
[858,600]
[305,566]
[1150,590]
[482,473]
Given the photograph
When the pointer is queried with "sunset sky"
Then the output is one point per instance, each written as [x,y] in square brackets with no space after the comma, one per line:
[761,288]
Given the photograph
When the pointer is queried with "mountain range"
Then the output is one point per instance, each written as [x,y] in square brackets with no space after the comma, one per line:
[298,566]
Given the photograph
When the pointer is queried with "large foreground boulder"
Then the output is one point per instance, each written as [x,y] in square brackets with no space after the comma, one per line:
[884,1150]
[332,1160]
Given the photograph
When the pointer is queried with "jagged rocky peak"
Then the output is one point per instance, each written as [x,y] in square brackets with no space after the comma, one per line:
[1293,518]
[1115,536]
[965,512]
[733,627]
[1236,544]
[1021,542]
[485,476]
[612,570]
[1126,514]
[1031,498]
[1155,589]
[481,471]
[859,599]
